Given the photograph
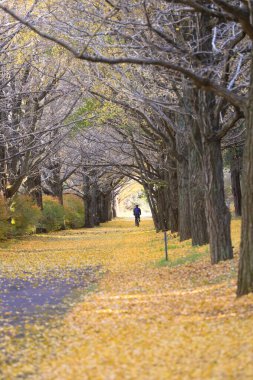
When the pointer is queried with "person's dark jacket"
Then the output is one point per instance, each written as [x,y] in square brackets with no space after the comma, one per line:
[137,211]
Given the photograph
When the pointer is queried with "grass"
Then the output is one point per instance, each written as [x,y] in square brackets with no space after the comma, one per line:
[190,258]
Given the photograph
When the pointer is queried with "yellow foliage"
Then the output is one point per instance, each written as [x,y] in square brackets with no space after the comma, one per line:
[144,321]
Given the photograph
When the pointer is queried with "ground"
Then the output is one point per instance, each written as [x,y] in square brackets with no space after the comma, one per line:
[119,311]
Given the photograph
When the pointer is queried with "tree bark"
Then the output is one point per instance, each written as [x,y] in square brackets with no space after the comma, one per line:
[184,213]
[235,170]
[99,206]
[165,195]
[245,274]
[12,189]
[217,213]
[114,206]
[94,208]
[106,207]
[152,205]
[109,206]
[89,221]
[199,228]
[34,188]
[110,211]
[54,183]
[173,190]
[163,208]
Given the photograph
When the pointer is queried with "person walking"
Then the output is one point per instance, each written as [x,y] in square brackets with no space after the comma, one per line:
[137,214]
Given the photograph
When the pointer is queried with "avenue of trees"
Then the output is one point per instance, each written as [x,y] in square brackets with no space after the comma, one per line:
[159,91]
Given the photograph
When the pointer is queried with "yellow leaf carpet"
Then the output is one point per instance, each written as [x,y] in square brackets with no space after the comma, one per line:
[145,319]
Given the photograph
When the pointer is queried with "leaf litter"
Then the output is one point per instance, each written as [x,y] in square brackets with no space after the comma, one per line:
[143,320]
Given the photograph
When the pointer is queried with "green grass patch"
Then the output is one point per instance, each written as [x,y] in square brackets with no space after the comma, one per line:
[191,258]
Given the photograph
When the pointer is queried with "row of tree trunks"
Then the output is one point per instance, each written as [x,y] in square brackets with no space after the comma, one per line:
[98,205]
[161,188]
[203,214]
[210,217]
[162,196]
[205,161]
[105,206]
[177,199]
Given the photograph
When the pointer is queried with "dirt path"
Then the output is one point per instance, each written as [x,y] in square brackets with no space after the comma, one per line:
[142,321]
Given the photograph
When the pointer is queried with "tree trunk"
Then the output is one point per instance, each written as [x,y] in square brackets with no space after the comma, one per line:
[108,206]
[89,222]
[217,213]
[3,118]
[204,103]
[3,172]
[106,211]
[88,203]
[173,199]
[152,205]
[102,217]
[245,274]
[196,189]
[163,208]
[170,206]
[184,213]
[60,193]
[114,206]
[54,184]
[12,188]
[235,170]
[33,185]
[94,209]
[99,206]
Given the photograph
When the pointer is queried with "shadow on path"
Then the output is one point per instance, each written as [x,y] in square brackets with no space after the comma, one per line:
[37,299]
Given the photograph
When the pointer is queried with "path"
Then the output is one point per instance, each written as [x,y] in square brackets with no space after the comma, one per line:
[142,321]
